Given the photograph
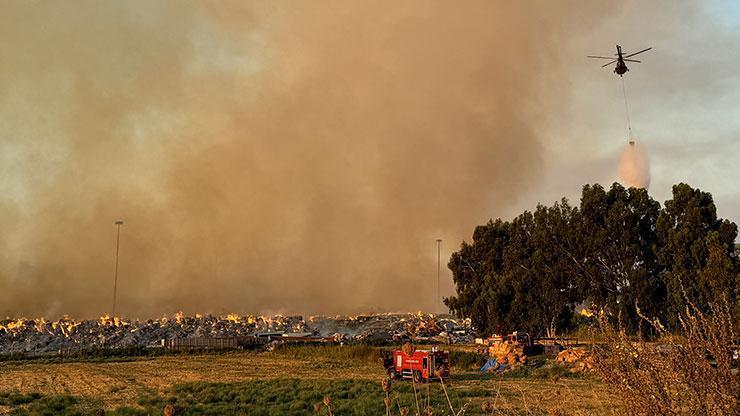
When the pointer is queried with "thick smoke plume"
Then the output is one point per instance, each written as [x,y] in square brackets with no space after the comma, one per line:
[267,157]
[634,166]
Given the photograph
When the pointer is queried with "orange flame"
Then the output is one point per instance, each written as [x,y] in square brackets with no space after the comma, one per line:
[113,321]
[232,317]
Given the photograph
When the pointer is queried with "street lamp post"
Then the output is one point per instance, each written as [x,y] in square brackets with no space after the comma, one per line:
[439,245]
[115,276]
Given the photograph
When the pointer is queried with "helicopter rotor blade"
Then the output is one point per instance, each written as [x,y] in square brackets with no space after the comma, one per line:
[609,63]
[632,60]
[599,57]
[633,54]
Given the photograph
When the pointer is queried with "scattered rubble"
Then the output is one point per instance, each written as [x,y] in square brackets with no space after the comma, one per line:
[42,336]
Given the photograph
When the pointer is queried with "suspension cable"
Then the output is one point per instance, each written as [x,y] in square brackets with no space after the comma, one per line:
[626,109]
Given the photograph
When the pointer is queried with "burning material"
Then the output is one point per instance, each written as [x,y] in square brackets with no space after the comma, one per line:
[180,317]
[112,321]
[14,325]
[42,336]
[232,318]
[634,166]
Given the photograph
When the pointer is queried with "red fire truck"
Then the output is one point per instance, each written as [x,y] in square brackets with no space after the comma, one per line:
[420,366]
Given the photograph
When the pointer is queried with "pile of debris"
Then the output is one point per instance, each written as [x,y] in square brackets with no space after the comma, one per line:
[42,336]
[505,356]
[578,359]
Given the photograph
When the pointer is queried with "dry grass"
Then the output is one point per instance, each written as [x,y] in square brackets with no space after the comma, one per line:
[560,399]
[575,397]
[118,383]
[687,373]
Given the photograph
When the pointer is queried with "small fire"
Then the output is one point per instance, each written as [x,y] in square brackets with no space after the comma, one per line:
[68,327]
[587,313]
[232,317]
[17,324]
[180,317]
[14,325]
[113,321]
[40,324]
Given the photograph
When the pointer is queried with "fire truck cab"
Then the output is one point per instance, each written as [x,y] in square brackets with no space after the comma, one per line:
[421,366]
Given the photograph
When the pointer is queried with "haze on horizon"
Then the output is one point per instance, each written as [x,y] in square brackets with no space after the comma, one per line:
[295,158]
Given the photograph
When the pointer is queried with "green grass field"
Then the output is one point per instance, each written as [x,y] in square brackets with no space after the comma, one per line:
[288,381]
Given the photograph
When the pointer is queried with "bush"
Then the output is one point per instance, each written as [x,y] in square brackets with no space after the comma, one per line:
[14,398]
[35,404]
[689,372]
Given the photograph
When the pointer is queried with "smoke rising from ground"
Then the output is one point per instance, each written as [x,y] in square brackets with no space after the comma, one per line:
[634,166]
[265,158]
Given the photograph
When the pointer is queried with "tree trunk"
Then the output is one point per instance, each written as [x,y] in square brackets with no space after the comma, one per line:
[552,330]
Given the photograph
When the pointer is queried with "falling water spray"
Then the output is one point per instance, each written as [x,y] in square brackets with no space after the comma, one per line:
[634,166]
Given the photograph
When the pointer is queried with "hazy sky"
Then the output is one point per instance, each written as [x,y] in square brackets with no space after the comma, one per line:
[304,157]
[684,103]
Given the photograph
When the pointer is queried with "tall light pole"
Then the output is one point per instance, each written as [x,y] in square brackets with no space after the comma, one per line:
[439,245]
[118,224]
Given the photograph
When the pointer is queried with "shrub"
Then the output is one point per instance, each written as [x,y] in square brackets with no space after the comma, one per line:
[689,372]
[14,398]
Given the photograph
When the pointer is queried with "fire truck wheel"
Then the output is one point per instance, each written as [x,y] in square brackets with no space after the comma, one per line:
[392,374]
[417,377]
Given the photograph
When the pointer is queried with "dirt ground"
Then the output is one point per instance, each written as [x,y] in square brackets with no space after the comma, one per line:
[121,383]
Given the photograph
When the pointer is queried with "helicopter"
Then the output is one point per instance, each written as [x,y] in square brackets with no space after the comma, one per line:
[620,59]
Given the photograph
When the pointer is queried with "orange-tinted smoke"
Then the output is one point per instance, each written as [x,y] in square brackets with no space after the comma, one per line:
[267,157]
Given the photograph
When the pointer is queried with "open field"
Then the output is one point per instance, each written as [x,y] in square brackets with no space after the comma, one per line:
[287,382]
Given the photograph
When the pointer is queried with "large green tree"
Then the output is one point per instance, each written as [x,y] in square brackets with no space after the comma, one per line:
[695,250]
[617,252]
[513,276]
[476,269]
[614,241]
[542,279]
